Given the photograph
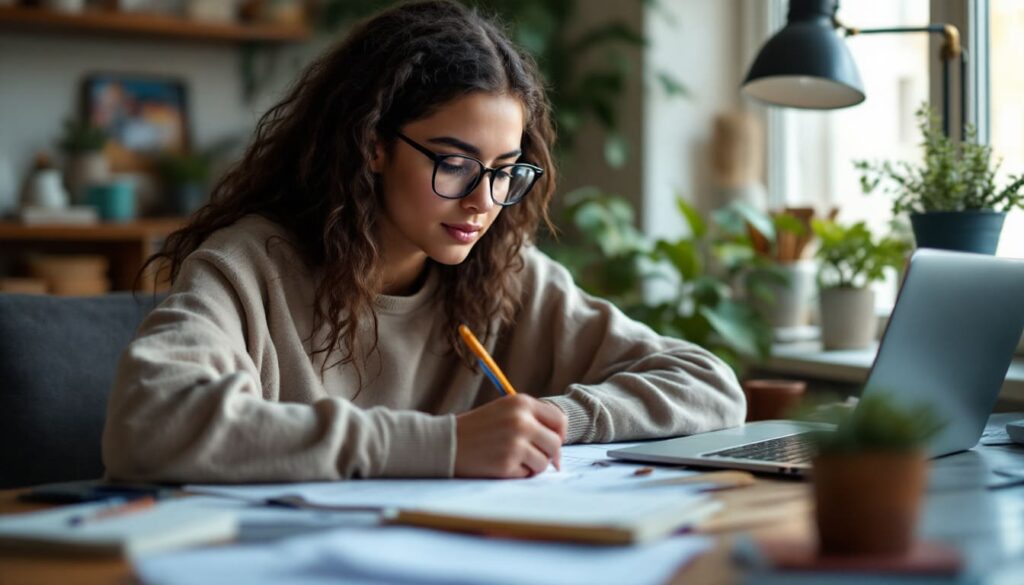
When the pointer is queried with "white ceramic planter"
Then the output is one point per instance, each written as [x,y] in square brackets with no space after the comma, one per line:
[848,318]
[792,305]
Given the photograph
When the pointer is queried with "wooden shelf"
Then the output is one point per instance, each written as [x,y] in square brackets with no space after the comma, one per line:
[100,232]
[126,245]
[110,23]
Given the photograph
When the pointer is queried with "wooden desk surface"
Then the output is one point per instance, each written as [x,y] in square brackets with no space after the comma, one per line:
[961,508]
[776,506]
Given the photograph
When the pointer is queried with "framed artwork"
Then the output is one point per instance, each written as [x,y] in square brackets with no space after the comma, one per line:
[144,116]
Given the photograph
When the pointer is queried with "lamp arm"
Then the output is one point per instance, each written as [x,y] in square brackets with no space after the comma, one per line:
[951,49]
[951,45]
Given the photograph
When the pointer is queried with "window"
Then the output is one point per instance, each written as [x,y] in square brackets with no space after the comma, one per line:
[815,164]
[1006,106]
[820,147]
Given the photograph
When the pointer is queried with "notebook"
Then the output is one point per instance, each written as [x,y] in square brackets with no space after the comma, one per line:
[83,528]
[590,517]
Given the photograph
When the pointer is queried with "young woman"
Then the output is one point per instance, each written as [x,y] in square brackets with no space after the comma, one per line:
[311,330]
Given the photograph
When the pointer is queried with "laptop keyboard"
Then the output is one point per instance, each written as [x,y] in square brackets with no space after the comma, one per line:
[791,449]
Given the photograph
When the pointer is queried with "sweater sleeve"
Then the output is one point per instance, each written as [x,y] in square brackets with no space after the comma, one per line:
[615,378]
[191,404]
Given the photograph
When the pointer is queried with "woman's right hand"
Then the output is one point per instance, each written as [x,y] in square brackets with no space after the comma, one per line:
[514,436]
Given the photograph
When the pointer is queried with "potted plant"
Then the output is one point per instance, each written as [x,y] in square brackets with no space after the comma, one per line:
[87,164]
[185,176]
[869,475]
[851,259]
[680,287]
[789,304]
[952,198]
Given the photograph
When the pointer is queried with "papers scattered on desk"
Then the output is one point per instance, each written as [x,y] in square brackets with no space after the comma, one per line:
[584,467]
[416,556]
[592,499]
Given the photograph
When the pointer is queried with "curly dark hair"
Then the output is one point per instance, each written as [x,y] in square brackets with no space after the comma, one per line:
[307,167]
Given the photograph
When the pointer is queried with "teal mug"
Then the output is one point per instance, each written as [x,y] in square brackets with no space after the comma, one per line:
[115,200]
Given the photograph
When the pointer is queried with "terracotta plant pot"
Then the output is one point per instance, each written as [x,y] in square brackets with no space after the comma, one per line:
[772,399]
[868,503]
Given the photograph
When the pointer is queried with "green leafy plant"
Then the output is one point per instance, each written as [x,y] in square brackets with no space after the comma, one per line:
[80,137]
[610,258]
[185,168]
[195,167]
[953,177]
[852,258]
[877,423]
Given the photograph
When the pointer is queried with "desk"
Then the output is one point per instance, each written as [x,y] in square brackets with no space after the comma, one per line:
[988,525]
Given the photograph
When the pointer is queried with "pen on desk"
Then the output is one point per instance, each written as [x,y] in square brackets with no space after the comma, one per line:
[490,368]
[113,510]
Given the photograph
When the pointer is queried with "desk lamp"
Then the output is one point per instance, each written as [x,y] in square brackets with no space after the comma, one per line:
[807,65]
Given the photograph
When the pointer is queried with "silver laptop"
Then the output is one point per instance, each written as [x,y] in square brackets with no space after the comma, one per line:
[949,343]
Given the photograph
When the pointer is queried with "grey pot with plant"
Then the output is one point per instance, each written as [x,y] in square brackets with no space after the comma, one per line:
[85,160]
[869,475]
[951,198]
[851,259]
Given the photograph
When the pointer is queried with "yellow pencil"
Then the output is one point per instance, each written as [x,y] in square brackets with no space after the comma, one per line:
[485,358]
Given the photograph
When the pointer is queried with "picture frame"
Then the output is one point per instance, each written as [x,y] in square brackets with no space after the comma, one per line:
[144,116]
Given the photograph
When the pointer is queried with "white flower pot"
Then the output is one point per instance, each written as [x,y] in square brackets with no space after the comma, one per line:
[792,304]
[46,189]
[848,318]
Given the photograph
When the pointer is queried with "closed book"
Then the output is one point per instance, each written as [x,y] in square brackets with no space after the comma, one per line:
[73,215]
[589,517]
[83,528]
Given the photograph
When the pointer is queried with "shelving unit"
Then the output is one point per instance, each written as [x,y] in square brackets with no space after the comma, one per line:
[136,25]
[127,245]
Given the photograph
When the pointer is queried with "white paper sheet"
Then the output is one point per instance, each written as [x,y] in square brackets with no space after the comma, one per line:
[412,556]
[583,467]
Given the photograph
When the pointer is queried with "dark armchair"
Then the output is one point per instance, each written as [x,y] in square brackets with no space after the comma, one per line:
[58,356]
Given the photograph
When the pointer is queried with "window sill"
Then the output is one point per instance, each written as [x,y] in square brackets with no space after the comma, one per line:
[807,359]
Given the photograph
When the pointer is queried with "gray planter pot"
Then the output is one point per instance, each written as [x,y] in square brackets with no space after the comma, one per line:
[848,318]
[792,304]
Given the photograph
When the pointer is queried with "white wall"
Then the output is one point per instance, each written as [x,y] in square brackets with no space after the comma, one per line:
[701,49]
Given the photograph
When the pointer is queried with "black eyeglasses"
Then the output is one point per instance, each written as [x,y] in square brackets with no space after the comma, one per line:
[457,175]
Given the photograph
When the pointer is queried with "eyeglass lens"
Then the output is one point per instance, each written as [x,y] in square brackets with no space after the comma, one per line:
[456,176]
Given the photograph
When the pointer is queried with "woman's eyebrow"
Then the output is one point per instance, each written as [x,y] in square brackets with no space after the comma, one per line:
[469,148]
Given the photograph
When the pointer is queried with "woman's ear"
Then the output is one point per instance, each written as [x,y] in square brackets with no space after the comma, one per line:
[379,156]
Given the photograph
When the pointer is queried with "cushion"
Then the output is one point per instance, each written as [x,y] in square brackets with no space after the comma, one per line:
[58,356]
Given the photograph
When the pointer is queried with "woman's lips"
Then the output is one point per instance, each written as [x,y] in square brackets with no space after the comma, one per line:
[462,233]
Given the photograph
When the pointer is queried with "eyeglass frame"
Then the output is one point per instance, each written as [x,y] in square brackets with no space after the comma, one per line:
[484,169]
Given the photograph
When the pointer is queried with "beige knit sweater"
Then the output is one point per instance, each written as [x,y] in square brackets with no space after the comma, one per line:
[219,385]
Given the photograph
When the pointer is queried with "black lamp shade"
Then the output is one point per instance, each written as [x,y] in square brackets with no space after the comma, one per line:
[806,64]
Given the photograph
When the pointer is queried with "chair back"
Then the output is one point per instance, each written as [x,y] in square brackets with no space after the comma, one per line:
[58,357]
